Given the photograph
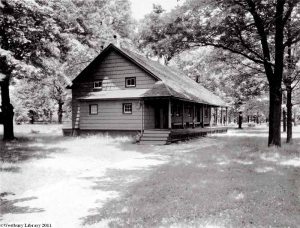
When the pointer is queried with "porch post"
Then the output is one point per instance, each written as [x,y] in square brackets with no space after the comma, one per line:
[217,117]
[209,116]
[169,114]
[202,116]
[193,115]
[222,116]
[182,119]
[226,123]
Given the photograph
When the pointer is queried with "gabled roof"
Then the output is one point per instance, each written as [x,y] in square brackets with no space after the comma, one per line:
[171,81]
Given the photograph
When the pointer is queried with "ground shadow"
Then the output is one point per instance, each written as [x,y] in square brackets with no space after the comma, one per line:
[26,148]
[226,184]
[9,207]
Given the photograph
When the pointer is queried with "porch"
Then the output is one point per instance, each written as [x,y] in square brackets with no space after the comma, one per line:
[164,136]
[167,120]
[167,113]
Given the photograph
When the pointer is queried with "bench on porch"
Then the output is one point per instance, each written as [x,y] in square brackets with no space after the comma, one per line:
[185,125]
[178,125]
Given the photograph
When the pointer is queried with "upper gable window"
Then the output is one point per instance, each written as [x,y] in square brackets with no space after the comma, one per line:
[98,84]
[130,82]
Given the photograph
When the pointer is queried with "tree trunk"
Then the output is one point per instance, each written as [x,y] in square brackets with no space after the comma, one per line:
[284,120]
[275,79]
[288,84]
[240,120]
[275,116]
[51,116]
[7,111]
[60,111]
[289,137]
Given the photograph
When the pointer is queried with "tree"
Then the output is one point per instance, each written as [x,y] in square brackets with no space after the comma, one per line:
[291,79]
[252,29]
[55,38]
[28,32]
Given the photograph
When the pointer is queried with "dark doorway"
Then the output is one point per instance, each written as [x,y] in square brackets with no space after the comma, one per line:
[161,116]
[198,114]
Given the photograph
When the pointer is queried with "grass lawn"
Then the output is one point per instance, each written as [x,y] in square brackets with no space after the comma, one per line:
[224,180]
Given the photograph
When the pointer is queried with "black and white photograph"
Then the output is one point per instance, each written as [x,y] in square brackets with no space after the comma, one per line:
[149,113]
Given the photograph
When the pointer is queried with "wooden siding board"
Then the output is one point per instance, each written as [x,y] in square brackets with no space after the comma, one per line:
[111,116]
[112,70]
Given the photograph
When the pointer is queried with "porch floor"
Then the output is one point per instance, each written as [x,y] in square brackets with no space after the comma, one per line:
[182,134]
[165,136]
[198,129]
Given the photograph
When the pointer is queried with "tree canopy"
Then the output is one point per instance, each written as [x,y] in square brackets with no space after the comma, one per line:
[258,31]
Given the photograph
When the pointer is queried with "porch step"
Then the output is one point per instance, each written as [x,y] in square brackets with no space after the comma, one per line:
[153,142]
[155,137]
[146,138]
[157,131]
[156,134]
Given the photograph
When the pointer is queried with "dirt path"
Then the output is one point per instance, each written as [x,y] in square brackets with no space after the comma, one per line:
[50,179]
[230,180]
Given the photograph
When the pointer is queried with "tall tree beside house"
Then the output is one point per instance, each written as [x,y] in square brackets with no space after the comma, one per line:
[253,29]
[28,32]
[51,36]
[291,79]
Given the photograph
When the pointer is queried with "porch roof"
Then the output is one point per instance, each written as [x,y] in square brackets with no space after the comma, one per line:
[125,94]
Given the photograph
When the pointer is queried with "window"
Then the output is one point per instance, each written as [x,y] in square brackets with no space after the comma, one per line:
[98,84]
[127,108]
[130,82]
[93,109]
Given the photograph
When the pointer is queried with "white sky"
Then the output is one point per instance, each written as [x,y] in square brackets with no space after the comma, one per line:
[142,7]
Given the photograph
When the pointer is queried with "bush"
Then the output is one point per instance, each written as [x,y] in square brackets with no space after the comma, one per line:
[251,124]
[22,118]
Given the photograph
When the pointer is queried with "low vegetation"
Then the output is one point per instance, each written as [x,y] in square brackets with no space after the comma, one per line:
[224,180]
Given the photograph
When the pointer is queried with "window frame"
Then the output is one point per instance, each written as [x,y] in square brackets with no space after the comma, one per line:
[130,86]
[98,87]
[90,109]
[123,108]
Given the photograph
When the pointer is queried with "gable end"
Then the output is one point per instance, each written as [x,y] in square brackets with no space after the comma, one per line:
[110,48]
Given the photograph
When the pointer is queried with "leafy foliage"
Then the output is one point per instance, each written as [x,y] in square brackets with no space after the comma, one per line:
[49,42]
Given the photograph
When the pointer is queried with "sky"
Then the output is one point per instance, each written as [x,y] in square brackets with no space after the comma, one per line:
[142,7]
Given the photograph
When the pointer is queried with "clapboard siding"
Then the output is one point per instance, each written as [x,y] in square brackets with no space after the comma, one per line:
[110,116]
[112,71]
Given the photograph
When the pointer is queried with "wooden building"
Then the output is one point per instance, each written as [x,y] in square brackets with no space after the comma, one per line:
[121,91]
